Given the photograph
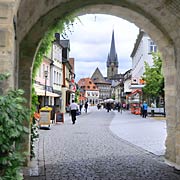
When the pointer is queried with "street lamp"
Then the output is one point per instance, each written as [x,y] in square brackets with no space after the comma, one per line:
[45,75]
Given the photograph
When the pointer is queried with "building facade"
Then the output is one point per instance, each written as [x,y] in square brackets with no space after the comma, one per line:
[56,70]
[142,52]
[88,91]
[103,85]
[68,86]
[42,85]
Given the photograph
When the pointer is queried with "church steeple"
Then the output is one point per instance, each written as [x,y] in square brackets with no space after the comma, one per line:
[112,60]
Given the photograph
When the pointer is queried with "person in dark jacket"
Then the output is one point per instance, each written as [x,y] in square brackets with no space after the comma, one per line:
[108,106]
[144,109]
[80,106]
[86,106]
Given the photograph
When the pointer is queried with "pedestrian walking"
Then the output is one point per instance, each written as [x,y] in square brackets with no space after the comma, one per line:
[80,106]
[119,107]
[73,109]
[108,106]
[86,106]
[144,109]
[99,106]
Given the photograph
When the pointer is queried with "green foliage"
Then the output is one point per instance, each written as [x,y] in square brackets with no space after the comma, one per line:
[13,116]
[154,78]
[113,96]
[4,76]
[77,94]
[34,132]
[61,27]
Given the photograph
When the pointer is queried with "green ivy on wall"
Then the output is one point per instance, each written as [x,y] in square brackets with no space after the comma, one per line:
[62,26]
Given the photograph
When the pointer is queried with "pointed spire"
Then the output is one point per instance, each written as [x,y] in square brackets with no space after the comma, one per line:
[112,56]
[113,49]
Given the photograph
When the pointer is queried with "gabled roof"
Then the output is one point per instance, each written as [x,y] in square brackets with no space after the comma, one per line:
[97,76]
[138,40]
[87,84]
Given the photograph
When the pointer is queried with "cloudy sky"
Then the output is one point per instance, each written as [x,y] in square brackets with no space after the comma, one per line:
[91,39]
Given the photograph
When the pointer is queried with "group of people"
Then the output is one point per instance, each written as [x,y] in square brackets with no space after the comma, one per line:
[74,109]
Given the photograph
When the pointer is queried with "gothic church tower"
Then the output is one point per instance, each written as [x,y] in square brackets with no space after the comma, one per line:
[112,60]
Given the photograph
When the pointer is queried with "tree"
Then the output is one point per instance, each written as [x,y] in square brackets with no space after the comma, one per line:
[154,79]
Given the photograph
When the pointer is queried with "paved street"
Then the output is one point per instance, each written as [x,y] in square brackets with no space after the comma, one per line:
[147,133]
[103,146]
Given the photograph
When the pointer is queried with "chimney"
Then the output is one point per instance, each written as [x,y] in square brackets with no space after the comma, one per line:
[57,36]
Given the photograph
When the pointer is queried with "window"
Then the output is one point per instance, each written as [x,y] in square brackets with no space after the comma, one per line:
[54,76]
[57,80]
[152,46]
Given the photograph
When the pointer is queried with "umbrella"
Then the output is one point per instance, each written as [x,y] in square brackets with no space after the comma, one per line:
[109,100]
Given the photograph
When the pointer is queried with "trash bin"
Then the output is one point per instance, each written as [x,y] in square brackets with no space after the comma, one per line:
[45,117]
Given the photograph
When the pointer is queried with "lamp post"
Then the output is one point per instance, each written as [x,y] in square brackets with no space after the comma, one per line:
[45,75]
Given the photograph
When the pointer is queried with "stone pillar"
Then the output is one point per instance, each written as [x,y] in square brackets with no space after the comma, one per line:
[25,83]
[177,96]
[8,54]
[171,102]
[7,42]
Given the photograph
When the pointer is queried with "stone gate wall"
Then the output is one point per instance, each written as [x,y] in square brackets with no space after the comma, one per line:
[24,22]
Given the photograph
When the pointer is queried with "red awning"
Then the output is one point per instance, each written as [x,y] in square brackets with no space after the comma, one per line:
[135,92]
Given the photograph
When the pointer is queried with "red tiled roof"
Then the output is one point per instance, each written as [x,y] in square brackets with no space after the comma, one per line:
[87,84]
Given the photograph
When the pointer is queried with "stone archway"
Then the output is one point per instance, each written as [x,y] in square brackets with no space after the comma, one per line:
[159,19]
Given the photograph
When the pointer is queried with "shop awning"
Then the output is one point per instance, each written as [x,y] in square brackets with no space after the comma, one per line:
[136,86]
[135,92]
[41,92]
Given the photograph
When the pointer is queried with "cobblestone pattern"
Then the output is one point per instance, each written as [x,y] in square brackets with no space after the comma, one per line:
[89,151]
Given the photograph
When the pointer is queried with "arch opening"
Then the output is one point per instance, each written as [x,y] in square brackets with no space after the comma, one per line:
[30,34]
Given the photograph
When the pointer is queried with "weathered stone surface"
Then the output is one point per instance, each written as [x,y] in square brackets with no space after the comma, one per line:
[160,19]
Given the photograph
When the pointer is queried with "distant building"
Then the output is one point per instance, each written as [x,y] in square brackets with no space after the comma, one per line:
[108,84]
[68,89]
[143,48]
[56,75]
[103,85]
[112,60]
[142,52]
[127,81]
[88,91]
[56,69]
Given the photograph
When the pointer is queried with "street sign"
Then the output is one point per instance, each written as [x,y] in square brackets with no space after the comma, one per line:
[45,117]
[59,117]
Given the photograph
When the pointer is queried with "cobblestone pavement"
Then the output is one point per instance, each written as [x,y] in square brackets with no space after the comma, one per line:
[89,150]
